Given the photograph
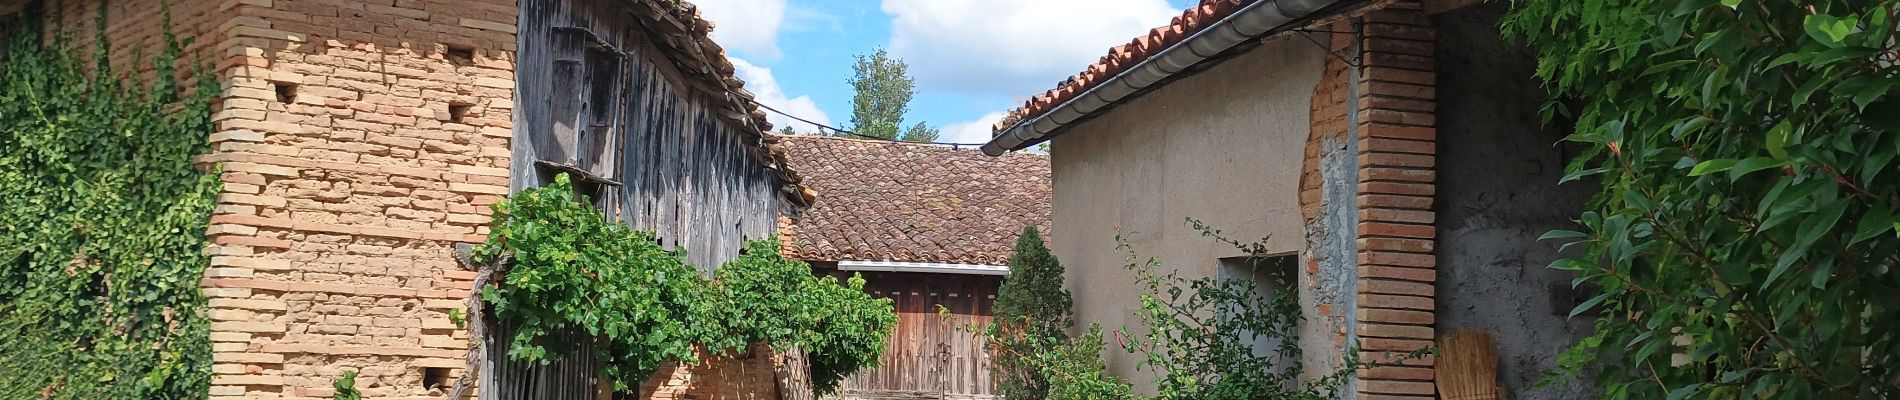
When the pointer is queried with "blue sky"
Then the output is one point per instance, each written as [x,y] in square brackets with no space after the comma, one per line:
[973,59]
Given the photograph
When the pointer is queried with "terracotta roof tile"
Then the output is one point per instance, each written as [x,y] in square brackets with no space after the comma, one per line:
[892,201]
[1125,56]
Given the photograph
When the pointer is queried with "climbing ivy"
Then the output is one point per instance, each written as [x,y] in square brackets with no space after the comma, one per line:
[102,221]
[573,271]
[1743,243]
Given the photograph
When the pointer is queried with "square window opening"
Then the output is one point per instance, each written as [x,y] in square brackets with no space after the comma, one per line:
[1271,277]
[459,111]
[435,377]
[286,92]
[460,55]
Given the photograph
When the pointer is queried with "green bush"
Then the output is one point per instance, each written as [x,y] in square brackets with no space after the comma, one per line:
[102,225]
[1032,313]
[1743,243]
[575,271]
[1198,340]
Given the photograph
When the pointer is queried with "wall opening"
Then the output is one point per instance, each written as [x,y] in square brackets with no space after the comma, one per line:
[435,377]
[459,111]
[1270,276]
[286,92]
[460,55]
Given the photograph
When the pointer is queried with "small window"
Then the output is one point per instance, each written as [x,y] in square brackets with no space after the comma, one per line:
[286,92]
[460,55]
[1270,276]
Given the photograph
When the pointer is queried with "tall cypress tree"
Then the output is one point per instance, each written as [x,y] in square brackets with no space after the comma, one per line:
[1033,314]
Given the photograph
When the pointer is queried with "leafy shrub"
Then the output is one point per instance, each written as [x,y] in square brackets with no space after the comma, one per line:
[1201,333]
[1032,313]
[575,271]
[102,221]
[1199,342]
[1075,371]
[1743,242]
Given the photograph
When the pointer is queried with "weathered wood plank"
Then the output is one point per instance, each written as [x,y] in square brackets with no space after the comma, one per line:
[595,92]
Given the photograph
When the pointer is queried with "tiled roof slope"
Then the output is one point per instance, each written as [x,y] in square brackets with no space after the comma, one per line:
[892,201]
[1122,57]
[687,39]
[678,30]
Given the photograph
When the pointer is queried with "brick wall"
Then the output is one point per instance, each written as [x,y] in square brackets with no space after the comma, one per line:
[1394,135]
[745,376]
[1396,156]
[133,28]
[360,141]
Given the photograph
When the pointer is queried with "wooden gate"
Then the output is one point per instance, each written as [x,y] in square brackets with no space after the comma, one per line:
[927,356]
[569,376]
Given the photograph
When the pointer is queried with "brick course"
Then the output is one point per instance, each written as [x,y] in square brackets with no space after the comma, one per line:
[1396,154]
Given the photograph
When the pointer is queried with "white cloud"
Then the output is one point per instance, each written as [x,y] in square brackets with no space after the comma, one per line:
[1012,47]
[764,87]
[977,131]
[750,26]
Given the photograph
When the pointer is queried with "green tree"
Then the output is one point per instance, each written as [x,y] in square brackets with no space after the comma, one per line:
[1033,313]
[1743,242]
[920,133]
[883,89]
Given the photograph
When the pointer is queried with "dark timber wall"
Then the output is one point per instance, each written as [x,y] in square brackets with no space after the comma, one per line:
[597,97]
[596,94]
[1498,169]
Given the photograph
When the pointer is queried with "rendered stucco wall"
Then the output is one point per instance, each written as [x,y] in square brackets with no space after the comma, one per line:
[1223,146]
[1497,192]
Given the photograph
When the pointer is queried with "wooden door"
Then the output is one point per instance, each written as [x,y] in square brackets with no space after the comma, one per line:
[927,355]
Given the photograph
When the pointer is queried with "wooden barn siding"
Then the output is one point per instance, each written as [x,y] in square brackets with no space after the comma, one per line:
[685,174]
[688,175]
[926,355]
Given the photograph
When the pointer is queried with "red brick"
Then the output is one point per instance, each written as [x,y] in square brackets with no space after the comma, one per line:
[1389,358]
[1401,76]
[1408,118]
[1398,273]
[1405,288]
[1397,103]
[1403,317]
[1396,160]
[1396,215]
[1377,88]
[1396,373]
[1406,189]
[1399,61]
[252,241]
[1395,201]
[1367,329]
[1384,229]
[1399,131]
[1397,387]
[1369,300]
[1382,145]
[1413,260]
[1400,46]
[1389,174]
[1375,31]
[1391,244]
